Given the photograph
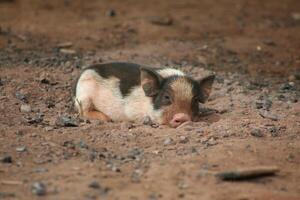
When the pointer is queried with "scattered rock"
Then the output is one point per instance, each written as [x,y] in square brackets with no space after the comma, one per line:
[102,190]
[21,149]
[297,75]
[182,185]
[66,121]
[94,185]
[83,145]
[161,21]
[134,153]
[154,196]
[111,13]
[290,157]
[25,108]
[266,114]
[127,125]
[168,141]
[263,104]
[136,176]
[6,159]
[50,103]
[269,42]
[38,118]
[203,111]
[296,16]
[242,174]
[21,97]
[65,45]
[256,132]
[4,195]
[183,139]
[282,97]
[49,128]
[274,131]
[147,121]
[39,188]
[40,170]
[287,87]
[211,142]
[68,51]
[69,144]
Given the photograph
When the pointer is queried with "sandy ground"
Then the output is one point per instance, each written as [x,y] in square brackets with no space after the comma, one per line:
[252,46]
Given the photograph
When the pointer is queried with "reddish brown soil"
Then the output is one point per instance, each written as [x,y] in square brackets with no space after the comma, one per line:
[252,46]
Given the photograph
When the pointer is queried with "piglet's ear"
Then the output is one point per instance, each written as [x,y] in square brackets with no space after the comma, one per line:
[150,81]
[206,86]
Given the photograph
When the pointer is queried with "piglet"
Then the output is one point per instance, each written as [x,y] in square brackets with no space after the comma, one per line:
[122,91]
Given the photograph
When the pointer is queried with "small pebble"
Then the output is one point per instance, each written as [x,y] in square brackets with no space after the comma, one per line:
[49,128]
[111,13]
[25,108]
[287,86]
[161,21]
[296,16]
[40,170]
[38,118]
[94,185]
[65,121]
[256,133]
[274,131]
[38,188]
[4,195]
[21,97]
[83,145]
[147,121]
[65,45]
[134,153]
[263,104]
[6,159]
[183,139]
[21,149]
[168,141]
[266,114]
[68,51]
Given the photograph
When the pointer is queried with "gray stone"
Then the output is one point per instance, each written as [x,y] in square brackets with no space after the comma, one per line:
[65,121]
[94,185]
[111,13]
[39,189]
[147,121]
[25,108]
[21,149]
[21,97]
[168,141]
[256,132]
[183,139]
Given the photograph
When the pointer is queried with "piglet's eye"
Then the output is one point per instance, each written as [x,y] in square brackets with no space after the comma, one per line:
[197,99]
[166,99]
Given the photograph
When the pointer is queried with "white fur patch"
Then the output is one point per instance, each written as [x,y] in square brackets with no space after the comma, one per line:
[138,106]
[93,91]
[170,72]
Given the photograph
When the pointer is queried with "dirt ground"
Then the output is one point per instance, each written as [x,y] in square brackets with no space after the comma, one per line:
[46,152]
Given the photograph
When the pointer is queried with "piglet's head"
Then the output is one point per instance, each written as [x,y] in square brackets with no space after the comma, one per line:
[177,97]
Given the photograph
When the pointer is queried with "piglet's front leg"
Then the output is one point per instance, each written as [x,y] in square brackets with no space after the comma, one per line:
[97,115]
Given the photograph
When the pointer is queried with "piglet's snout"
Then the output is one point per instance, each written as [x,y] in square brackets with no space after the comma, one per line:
[179,119]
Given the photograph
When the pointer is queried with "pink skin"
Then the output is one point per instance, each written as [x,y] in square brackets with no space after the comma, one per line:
[178,119]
